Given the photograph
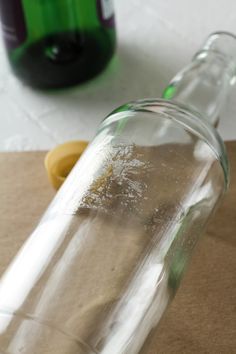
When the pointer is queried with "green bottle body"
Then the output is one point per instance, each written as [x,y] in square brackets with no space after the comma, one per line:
[58,43]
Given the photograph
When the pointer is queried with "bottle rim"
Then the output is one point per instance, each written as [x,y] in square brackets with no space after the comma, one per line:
[191,120]
[223,45]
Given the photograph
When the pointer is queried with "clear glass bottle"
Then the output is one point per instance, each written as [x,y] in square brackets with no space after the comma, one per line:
[107,257]
[58,43]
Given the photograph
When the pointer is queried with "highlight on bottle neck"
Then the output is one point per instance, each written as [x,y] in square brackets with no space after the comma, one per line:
[223,45]
[205,83]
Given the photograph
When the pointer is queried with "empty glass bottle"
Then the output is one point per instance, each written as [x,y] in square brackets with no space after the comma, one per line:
[106,259]
[58,43]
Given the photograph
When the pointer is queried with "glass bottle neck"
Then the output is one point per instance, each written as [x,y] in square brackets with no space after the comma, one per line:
[204,85]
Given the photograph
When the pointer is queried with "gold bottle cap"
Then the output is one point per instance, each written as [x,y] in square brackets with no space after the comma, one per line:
[60,161]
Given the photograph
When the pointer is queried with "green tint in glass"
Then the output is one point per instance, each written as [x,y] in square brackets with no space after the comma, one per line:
[169,92]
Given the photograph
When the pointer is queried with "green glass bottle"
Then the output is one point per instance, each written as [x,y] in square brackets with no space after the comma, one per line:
[58,43]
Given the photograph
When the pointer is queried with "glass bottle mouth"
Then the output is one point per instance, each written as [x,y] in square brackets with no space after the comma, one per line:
[222,44]
[189,119]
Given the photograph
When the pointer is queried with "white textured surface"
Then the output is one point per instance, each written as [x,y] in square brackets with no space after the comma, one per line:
[156,39]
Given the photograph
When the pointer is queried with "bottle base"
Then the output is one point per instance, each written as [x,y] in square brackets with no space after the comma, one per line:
[63,59]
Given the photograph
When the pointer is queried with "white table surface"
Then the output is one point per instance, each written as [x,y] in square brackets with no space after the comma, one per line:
[156,39]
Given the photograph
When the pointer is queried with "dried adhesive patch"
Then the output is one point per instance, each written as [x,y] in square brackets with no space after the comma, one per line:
[122,183]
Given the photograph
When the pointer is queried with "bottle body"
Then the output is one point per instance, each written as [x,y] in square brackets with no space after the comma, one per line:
[54,44]
[102,266]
